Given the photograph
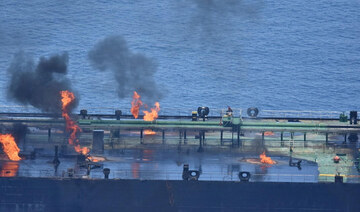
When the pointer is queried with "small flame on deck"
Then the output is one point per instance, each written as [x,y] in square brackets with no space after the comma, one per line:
[9,147]
[269,133]
[265,159]
[135,105]
[151,116]
[67,98]
[149,132]
[93,158]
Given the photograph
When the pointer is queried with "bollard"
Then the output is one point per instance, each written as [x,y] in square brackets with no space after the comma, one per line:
[185,171]
[106,172]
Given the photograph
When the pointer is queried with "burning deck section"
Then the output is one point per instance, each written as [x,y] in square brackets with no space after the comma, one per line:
[67,99]
[10,147]
[157,164]
[278,138]
[262,160]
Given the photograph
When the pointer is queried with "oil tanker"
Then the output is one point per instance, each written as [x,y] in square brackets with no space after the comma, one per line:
[230,162]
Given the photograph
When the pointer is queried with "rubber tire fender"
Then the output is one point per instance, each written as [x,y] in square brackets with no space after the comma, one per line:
[206,110]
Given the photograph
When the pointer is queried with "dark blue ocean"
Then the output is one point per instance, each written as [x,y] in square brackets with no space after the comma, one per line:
[275,55]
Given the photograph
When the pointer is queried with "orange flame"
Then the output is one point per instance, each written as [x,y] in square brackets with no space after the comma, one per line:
[67,98]
[265,159]
[151,116]
[149,132]
[9,147]
[135,105]
[9,169]
[92,159]
[268,133]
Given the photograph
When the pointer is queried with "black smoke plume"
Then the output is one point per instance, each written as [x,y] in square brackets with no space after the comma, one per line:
[39,85]
[237,7]
[133,72]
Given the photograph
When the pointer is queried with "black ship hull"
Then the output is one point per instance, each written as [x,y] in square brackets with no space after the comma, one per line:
[51,194]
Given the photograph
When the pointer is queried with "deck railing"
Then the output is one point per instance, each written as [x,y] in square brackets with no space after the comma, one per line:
[177,175]
[214,112]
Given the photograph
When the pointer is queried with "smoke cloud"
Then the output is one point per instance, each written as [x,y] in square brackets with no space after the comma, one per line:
[132,71]
[237,7]
[216,16]
[39,85]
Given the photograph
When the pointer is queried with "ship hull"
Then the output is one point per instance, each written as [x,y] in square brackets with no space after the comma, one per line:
[50,194]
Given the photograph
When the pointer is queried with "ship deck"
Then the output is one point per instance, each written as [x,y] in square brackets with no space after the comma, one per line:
[220,155]
[167,164]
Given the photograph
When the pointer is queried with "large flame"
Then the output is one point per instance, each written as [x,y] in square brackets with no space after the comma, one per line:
[265,159]
[67,98]
[151,116]
[9,147]
[135,105]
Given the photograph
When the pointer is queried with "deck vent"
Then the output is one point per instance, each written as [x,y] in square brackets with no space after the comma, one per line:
[106,172]
[244,176]
[190,175]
